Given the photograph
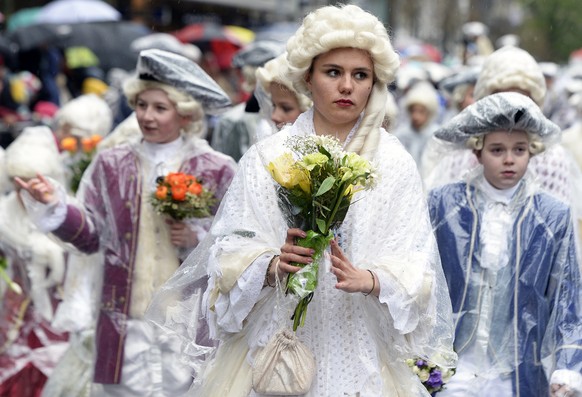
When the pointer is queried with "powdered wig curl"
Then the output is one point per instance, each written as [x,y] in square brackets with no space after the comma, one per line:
[185,105]
[511,68]
[536,146]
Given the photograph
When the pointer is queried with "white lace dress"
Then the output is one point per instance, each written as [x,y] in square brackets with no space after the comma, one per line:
[360,343]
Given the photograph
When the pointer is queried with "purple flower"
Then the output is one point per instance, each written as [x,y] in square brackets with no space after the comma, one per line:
[435,379]
[420,363]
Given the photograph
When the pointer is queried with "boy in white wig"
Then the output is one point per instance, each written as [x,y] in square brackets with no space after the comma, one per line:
[29,346]
[510,258]
[514,69]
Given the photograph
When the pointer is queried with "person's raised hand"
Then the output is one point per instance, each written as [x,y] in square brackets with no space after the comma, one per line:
[38,187]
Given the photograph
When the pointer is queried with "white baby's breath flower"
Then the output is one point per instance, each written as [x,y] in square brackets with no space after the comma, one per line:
[423,375]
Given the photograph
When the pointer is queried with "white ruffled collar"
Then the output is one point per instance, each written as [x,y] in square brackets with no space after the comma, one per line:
[503,196]
[162,152]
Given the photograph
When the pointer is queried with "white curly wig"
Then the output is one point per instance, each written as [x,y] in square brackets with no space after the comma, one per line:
[535,145]
[346,26]
[276,71]
[85,115]
[333,27]
[423,93]
[34,151]
[511,68]
[186,105]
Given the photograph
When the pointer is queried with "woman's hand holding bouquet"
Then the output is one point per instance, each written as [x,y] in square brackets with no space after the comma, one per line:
[316,183]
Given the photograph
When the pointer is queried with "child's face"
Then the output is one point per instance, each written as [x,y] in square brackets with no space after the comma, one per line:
[419,115]
[505,156]
[158,117]
[285,105]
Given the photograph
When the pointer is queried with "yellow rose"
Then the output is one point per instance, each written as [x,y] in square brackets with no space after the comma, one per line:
[287,174]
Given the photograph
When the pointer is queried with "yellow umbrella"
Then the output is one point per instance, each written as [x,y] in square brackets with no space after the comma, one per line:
[244,35]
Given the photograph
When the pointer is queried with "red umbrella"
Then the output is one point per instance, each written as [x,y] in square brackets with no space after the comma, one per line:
[205,33]
[211,37]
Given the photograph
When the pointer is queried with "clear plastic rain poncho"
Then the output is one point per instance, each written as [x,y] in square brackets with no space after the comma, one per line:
[113,216]
[360,343]
[511,262]
[30,346]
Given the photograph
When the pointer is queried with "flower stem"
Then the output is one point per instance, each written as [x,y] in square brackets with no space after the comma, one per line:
[338,201]
[13,286]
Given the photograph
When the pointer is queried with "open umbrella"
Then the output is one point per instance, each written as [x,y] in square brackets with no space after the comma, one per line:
[109,41]
[240,34]
[278,31]
[211,37]
[76,11]
[22,17]
[8,51]
[202,34]
[34,36]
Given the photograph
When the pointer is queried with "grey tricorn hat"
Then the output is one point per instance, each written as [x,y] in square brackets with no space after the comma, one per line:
[504,111]
[184,75]
[466,76]
[257,53]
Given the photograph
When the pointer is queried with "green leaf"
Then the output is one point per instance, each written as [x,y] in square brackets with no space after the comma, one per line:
[326,185]
[321,225]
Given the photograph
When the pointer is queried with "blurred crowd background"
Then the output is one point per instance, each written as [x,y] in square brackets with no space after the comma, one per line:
[54,51]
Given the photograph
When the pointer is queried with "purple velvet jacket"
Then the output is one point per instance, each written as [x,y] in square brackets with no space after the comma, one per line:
[109,221]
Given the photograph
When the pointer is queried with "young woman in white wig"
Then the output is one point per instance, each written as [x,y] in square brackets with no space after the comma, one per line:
[381,297]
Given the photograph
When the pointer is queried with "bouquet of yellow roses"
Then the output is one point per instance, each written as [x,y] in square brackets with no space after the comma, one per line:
[316,183]
[182,196]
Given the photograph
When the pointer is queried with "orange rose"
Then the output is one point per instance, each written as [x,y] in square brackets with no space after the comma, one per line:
[161,192]
[96,138]
[176,178]
[179,192]
[195,188]
[87,145]
[69,144]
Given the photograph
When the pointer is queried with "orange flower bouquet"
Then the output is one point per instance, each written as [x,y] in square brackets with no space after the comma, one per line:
[80,159]
[182,196]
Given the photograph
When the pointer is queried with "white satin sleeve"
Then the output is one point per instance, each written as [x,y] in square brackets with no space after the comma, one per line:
[233,308]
